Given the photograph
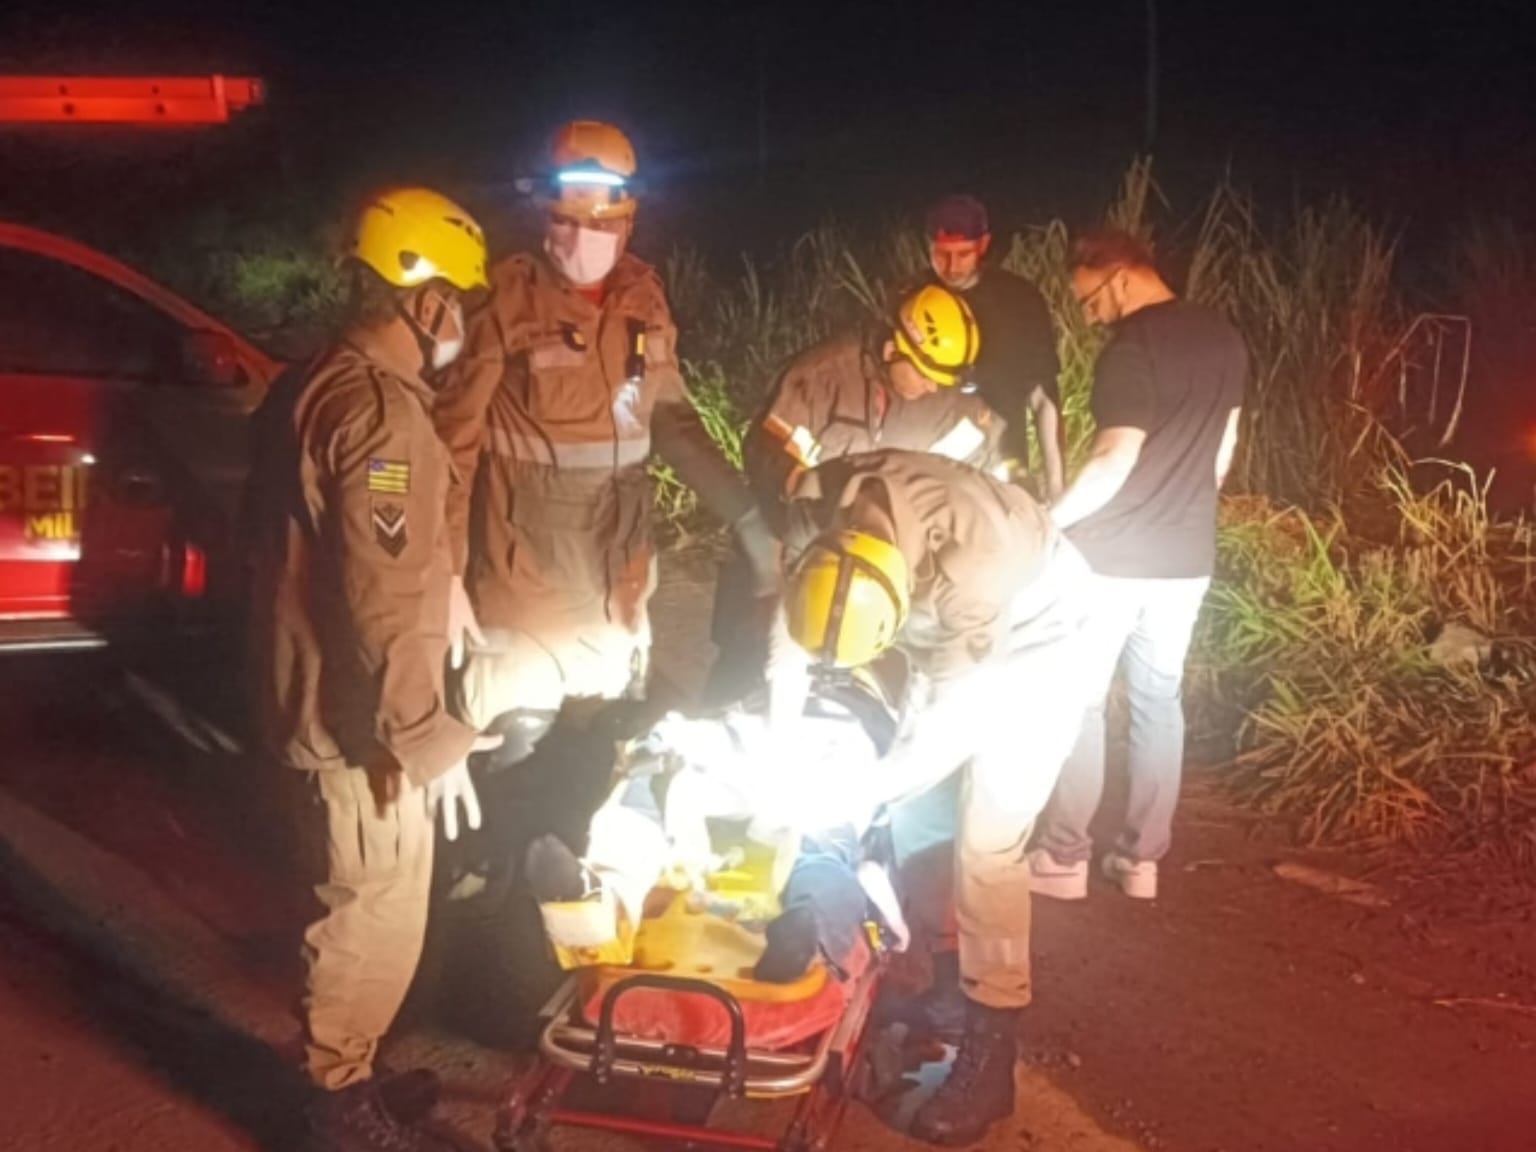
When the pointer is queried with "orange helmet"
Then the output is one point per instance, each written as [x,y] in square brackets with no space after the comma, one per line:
[592,166]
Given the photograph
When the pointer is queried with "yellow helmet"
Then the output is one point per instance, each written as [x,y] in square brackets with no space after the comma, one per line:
[936,330]
[592,166]
[412,235]
[847,598]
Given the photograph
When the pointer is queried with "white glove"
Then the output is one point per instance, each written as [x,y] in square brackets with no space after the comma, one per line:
[461,623]
[454,787]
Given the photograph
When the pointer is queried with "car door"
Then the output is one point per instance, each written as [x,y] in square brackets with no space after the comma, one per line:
[85,510]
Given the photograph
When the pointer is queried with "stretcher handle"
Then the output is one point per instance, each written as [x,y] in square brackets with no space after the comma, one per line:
[734,1080]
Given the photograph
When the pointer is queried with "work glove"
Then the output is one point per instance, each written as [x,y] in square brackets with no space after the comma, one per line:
[461,622]
[761,550]
[455,787]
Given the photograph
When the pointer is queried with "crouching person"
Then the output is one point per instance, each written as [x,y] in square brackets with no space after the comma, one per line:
[970,579]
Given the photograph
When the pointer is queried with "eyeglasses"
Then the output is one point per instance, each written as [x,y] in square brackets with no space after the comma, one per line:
[1082,301]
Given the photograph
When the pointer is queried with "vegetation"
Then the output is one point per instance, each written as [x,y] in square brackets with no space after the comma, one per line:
[1314,673]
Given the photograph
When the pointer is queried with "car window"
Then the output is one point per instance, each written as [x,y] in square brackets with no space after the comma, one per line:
[56,319]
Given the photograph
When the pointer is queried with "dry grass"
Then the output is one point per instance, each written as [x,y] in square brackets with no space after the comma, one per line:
[1315,650]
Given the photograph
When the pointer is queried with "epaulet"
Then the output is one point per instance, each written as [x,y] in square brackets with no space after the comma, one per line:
[634,275]
[521,267]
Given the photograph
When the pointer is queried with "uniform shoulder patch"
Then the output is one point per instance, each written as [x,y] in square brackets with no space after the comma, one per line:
[389,527]
[391,477]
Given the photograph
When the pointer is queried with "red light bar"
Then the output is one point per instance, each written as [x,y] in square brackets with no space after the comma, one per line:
[138,100]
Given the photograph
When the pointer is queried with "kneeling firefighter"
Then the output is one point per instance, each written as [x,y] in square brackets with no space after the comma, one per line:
[901,385]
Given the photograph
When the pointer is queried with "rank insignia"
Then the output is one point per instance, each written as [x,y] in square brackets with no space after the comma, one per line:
[389,528]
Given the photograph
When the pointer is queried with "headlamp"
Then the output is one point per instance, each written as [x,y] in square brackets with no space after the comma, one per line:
[599,177]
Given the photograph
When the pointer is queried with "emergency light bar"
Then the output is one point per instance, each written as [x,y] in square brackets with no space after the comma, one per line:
[128,100]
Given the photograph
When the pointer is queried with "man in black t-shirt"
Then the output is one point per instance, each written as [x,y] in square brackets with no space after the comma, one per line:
[1016,371]
[1167,393]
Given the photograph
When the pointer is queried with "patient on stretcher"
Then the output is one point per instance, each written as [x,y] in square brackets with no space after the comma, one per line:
[755,827]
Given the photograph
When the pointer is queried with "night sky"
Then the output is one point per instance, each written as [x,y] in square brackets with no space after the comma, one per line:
[1425,111]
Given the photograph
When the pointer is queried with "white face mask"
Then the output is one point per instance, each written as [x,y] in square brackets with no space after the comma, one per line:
[591,256]
[443,342]
[445,352]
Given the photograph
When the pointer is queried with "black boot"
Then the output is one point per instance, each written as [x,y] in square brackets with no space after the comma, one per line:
[410,1096]
[791,947]
[357,1119]
[979,1089]
[939,1012]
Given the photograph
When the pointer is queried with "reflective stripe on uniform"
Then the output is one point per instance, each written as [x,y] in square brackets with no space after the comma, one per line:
[797,439]
[960,442]
[592,454]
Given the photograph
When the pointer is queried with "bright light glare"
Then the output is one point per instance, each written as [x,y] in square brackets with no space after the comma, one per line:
[817,774]
[605,179]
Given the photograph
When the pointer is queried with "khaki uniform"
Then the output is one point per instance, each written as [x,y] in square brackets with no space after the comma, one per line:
[551,415]
[998,604]
[349,620]
[831,401]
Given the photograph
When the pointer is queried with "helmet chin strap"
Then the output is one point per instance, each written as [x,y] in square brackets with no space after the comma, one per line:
[426,334]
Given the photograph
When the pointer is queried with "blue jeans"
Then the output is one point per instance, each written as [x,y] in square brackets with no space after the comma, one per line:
[1144,626]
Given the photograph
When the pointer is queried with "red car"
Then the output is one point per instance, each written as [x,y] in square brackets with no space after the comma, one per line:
[123,416]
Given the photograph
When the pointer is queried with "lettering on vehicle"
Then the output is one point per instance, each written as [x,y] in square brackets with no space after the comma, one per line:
[47,497]
[53,526]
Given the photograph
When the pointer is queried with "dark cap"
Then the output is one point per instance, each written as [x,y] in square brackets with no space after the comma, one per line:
[958,217]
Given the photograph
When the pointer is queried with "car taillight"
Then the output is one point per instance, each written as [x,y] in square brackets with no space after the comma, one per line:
[194,571]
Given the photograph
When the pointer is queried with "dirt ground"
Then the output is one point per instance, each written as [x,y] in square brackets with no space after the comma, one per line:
[147,967]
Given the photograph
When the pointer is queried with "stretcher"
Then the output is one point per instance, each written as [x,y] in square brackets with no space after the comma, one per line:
[684,1026]
[669,1021]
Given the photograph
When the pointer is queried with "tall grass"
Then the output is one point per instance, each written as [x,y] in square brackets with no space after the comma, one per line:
[1313,297]
[1316,649]
[1339,563]
[1313,661]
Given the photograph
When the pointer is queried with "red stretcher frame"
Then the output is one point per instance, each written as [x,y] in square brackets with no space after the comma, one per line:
[825,1075]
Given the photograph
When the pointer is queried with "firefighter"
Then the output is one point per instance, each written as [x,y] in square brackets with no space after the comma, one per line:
[899,386]
[346,509]
[971,580]
[1017,371]
[569,380]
